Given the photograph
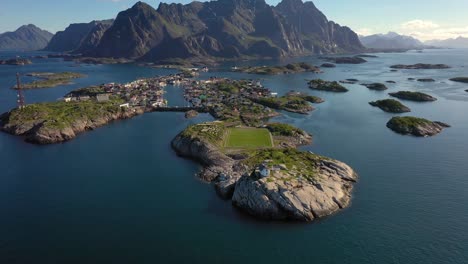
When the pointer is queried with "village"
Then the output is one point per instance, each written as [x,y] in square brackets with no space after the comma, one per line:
[147,93]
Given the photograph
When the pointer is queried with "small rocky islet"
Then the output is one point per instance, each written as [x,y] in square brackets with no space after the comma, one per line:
[415,126]
[330,86]
[420,66]
[345,60]
[49,79]
[391,106]
[16,62]
[426,80]
[460,79]
[276,70]
[328,65]
[375,86]
[413,96]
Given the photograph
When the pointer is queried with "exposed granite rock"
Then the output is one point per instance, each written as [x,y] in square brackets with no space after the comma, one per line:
[44,131]
[420,66]
[191,114]
[297,199]
[375,86]
[413,96]
[416,126]
[279,196]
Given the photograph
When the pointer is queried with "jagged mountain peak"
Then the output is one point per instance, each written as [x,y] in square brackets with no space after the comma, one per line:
[222,28]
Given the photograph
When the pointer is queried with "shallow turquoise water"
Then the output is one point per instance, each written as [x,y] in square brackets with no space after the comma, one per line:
[119,194]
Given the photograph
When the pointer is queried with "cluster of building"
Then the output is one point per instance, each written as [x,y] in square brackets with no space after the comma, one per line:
[215,91]
[140,93]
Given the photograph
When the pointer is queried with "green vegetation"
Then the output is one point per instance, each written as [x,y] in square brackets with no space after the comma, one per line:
[280,129]
[286,69]
[391,106]
[409,121]
[322,85]
[91,91]
[298,163]
[248,138]
[62,114]
[413,96]
[48,80]
[375,86]
[291,103]
[212,132]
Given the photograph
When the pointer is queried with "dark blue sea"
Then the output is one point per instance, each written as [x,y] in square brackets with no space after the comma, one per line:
[120,195]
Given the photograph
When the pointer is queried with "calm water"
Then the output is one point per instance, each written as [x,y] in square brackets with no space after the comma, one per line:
[120,195]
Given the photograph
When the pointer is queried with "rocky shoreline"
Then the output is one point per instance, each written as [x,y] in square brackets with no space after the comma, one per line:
[41,132]
[278,197]
[419,127]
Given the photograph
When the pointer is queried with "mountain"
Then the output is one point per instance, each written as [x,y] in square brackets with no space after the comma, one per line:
[390,41]
[28,37]
[459,42]
[76,35]
[318,34]
[222,29]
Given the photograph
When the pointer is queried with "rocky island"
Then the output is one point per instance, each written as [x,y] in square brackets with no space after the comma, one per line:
[328,65]
[460,79]
[276,70]
[391,106]
[419,127]
[294,102]
[330,86]
[16,62]
[264,177]
[375,86]
[426,80]
[420,66]
[413,96]
[48,79]
[85,109]
[345,60]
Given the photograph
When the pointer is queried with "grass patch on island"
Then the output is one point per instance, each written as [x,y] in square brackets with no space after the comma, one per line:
[248,138]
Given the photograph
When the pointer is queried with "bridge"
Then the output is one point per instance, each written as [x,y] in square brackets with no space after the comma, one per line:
[180,109]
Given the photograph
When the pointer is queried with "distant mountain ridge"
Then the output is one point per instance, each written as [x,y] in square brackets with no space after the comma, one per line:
[390,41]
[459,42]
[27,37]
[79,36]
[226,29]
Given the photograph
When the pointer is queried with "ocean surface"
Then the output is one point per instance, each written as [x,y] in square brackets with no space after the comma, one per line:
[120,195]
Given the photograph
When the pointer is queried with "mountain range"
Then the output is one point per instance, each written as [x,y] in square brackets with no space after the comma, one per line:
[79,37]
[27,37]
[390,41]
[224,29]
[459,42]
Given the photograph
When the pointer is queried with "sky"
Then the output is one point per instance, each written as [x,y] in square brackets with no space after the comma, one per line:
[423,19]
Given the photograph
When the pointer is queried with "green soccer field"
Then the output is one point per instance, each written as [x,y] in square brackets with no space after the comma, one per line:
[248,138]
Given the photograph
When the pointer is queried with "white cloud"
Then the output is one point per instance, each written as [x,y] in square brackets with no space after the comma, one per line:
[428,30]
[418,24]
[364,31]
